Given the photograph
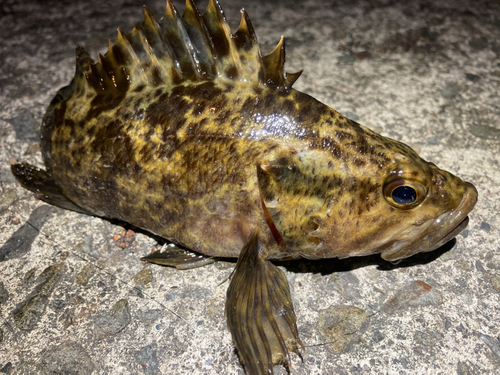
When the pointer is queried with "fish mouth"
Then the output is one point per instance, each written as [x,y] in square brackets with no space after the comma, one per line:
[454,232]
[449,224]
[454,222]
[438,231]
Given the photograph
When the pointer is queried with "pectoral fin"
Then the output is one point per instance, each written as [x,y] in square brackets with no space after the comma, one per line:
[174,256]
[260,312]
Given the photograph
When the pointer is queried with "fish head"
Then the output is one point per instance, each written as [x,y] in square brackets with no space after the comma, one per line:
[423,208]
[403,206]
[360,198]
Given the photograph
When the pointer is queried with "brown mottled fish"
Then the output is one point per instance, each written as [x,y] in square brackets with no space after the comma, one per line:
[182,128]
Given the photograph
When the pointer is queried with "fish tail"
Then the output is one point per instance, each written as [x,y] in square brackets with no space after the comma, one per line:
[41,183]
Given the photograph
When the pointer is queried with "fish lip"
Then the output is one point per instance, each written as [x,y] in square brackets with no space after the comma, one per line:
[455,221]
[451,235]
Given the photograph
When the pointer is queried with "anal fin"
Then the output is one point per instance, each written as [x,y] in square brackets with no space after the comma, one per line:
[174,256]
[41,183]
[260,313]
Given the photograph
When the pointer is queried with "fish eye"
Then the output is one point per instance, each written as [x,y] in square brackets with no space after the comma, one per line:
[404,194]
[404,188]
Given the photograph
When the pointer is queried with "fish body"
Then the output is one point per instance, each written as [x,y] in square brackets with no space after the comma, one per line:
[184,130]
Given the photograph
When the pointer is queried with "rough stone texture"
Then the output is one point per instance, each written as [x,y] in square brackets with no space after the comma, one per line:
[144,276]
[341,327]
[67,358]
[426,73]
[30,311]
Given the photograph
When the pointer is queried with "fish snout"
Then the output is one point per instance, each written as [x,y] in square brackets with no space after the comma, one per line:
[456,220]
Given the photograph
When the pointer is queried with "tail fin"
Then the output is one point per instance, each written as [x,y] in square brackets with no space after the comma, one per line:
[41,183]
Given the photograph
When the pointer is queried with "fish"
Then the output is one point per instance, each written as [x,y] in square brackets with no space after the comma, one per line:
[184,129]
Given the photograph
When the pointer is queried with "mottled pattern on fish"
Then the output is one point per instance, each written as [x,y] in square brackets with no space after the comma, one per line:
[184,162]
[183,129]
[194,180]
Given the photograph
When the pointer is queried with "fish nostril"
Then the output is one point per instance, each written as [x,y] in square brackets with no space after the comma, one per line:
[439,179]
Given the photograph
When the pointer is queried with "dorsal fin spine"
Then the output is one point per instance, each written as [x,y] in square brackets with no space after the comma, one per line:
[83,62]
[182,48]
[115,59]
[229,36]
[172,27]
[106,81]
[135,75]
[161,48]
[290,79]
[198,34]
[274,66]
[191,57]
[248,48]
[245,33]
[155,72]
[227,61]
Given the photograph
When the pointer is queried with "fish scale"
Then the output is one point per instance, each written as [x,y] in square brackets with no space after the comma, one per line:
[183,129]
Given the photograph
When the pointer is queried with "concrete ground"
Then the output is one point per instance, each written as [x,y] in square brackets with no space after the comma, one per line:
[74,297]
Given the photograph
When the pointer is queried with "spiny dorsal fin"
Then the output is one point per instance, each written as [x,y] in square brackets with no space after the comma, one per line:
[228,62]
[191,47]
[161,48]
[200,40]
[245,41]
[274,64]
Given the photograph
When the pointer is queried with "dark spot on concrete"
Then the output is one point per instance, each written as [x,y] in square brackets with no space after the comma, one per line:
[144,276]
[85,274]
[485,226]
[67,358]
[7,198]
[342,327]
[7,369]
[493,343]
[378,337]
[472,77]
[479,43]
[147,358]
[113,321]
[29,312]
[417,293]
[4,294]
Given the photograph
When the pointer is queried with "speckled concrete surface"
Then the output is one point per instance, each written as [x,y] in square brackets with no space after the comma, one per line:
[74,297]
